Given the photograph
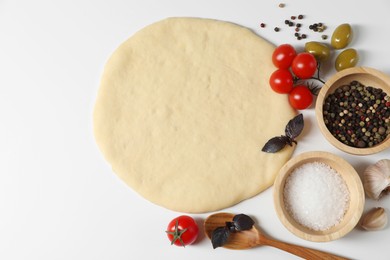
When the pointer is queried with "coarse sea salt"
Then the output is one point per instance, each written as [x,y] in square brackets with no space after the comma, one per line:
[316,196]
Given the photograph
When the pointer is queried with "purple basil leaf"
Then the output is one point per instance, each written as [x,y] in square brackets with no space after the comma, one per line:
[294,127]
[243,222]
[219,237]
[275,144]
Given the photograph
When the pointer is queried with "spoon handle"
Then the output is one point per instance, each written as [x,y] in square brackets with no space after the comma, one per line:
[300,251]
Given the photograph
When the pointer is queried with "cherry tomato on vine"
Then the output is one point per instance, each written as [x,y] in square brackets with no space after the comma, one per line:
[182,231]
[281,81]
[304,65]
[300,97]
[283,56]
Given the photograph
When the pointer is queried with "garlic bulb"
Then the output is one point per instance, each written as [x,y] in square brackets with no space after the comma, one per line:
[376,179]
[375,219]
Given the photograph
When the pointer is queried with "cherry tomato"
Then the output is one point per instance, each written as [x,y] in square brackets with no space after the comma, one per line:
[300,97]
[281,81]
[283,56]
[182,231]
[304,65]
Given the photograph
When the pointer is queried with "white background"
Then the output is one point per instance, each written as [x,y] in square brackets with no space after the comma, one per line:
[60,200]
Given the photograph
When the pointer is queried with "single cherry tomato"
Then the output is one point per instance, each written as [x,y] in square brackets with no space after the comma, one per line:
[281,81]
[283,56]
[182,231]
[304,65]
[300,97]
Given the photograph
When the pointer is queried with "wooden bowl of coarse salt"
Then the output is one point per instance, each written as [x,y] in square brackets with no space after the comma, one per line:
[318,196]
[353,110]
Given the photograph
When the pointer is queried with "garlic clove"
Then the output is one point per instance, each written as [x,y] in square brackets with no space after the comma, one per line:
[376,179]
[375,219]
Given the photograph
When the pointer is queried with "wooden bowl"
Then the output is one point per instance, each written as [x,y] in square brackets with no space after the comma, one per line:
[356,196]
[366,76]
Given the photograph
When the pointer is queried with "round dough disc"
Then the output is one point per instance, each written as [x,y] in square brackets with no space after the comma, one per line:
[183,110]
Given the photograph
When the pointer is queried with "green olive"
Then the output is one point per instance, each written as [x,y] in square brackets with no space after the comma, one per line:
[346,59]
[342,36]
[320,51]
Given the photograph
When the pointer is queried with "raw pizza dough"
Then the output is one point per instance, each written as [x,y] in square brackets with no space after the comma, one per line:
[183,110]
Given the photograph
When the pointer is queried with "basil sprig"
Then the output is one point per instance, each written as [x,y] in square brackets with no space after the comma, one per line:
[293,129]
[240,222]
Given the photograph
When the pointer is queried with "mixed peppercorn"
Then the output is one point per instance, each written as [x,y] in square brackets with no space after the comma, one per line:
[292,22]
[358,115]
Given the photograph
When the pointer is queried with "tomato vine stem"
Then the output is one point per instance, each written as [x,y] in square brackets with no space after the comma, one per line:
[318,74]
[316,77]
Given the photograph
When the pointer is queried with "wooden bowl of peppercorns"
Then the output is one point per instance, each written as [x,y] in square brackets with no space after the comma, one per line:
[353,110]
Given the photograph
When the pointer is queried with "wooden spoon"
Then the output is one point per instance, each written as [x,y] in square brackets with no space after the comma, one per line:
[254,237]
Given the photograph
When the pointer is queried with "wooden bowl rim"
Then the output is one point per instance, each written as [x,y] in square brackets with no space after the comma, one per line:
[324,93]
[353,182]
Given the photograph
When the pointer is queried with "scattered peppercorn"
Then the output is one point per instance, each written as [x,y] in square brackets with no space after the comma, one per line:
[357,115]
[317,27]
[324,37]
